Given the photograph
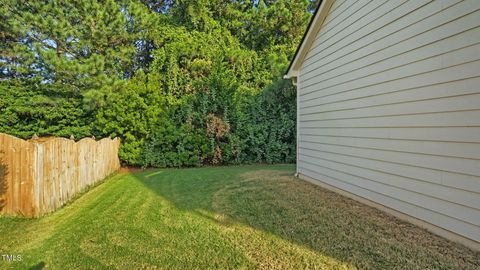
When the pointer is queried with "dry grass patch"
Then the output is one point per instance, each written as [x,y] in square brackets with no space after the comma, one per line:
[336,226]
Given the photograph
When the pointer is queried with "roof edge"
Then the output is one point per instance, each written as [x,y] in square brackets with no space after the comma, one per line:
[307,40]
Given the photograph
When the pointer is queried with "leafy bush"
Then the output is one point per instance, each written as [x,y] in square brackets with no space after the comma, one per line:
[182,83]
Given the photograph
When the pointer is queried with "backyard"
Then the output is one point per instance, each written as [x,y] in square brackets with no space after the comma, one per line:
[243,217]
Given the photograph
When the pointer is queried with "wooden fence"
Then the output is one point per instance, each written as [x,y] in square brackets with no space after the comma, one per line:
[39,176]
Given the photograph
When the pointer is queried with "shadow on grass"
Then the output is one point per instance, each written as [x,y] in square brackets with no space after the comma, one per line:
[269,199]
[37,266]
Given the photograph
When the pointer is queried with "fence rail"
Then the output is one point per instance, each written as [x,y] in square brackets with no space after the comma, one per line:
[39,176]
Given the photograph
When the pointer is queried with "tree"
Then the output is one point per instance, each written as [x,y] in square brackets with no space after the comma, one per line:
[182,83]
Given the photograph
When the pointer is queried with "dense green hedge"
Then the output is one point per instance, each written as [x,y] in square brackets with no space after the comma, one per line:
[182,83]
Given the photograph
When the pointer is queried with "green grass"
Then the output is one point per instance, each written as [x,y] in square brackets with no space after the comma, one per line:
[243,217]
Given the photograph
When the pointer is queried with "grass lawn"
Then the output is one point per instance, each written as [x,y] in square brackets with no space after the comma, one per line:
[243,217]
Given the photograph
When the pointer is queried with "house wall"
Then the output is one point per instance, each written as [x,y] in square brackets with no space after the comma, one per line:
[389,108]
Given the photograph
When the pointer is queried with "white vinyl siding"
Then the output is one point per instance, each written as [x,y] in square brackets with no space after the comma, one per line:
[389,107]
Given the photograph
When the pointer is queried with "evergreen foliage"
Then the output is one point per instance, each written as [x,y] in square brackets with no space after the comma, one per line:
[182,83]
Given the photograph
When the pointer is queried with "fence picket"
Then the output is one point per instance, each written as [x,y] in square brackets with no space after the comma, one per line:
[37,177]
